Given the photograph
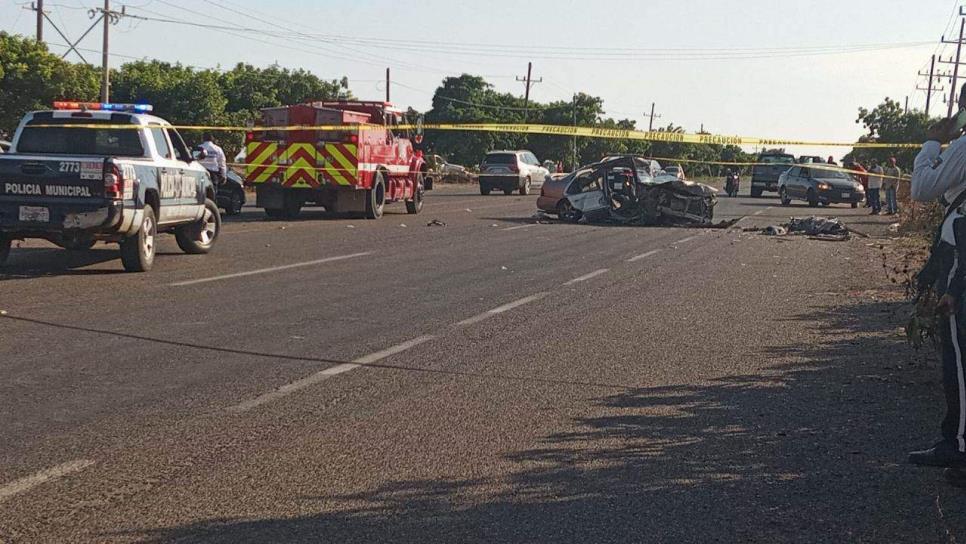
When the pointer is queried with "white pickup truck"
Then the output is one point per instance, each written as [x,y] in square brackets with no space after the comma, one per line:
[87,172]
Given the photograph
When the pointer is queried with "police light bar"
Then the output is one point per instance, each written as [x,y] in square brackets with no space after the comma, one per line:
[103,106]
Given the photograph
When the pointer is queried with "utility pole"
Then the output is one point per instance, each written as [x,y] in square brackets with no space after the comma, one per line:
[929,90]
[907,104]
[40,21]
[526,95]
[959,47]
[387,84]
[650,123]
[574,159]
[105,66]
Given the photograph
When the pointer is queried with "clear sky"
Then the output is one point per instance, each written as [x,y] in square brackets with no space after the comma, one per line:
[767,68]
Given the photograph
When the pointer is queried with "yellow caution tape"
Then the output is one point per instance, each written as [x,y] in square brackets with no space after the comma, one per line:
[547,130]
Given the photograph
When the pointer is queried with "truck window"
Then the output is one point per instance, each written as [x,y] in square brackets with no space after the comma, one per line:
[55,139]
[180,148]
[500,158]
[160,142]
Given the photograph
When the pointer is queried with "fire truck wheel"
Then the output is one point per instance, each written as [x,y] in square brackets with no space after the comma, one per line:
[525,190]
[416,204]
[376,197]
[4,249]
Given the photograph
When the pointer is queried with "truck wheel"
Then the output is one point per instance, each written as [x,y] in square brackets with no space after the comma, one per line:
[199,237]
[4,249]
[376,197]
[484,190]
[783,195]
[507,191]
[137,252]
[525,190]
[855,205]
[755,193]
[416,204]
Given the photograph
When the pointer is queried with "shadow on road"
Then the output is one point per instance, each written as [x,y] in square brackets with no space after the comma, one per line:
[810,450]
[28,263]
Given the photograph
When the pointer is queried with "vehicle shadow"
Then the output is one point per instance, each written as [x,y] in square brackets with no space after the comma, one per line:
[25,263]
[809,450]
[257,215]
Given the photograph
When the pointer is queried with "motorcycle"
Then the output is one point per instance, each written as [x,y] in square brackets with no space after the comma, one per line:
[732,183]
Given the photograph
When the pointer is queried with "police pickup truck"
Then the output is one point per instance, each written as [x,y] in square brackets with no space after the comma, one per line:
[87,172]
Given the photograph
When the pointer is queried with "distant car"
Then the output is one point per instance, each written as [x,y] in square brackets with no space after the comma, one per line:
[511,171]
[675,171]
[231,195]
[439,169]
[817,185]
[769,167]
[809,159]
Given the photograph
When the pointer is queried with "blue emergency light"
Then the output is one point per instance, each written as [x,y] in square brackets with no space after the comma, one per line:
[103,106]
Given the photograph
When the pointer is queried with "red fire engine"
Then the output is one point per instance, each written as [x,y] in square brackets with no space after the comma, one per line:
[359,169]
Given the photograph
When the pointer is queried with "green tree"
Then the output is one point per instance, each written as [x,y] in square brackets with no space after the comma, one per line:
[888,122]
[31,78]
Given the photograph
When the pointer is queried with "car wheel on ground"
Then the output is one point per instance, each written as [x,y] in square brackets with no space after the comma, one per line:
[4,249]
[783,195]
[199,237]
[235,202]
[855,205]
[812,198]
[525,190]
[137,251]
[567,213]
[376,197]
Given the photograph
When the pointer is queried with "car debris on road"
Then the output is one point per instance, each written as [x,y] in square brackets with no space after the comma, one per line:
[815,227]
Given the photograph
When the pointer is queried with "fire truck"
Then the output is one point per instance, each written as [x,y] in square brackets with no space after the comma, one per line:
[357,170]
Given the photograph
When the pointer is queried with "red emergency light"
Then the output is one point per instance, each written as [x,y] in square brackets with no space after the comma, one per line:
[103,106]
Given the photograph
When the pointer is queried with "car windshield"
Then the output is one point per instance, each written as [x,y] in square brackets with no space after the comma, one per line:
[776,159]
[51,138]
[500,158]
[822,173]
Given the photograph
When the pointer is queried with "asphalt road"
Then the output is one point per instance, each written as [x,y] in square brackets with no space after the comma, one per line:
[501,378]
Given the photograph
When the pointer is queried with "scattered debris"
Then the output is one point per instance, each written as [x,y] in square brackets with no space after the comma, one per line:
[403,225]
[350,226]
[775,230]
[894,227]
[436,223]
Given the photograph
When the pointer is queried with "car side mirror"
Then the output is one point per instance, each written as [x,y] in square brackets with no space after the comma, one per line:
[199,153]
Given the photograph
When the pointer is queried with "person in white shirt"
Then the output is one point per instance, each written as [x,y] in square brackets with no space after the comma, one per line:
[215,162]
[875,186]
[939,174]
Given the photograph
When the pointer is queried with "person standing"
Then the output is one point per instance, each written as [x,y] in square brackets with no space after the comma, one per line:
[942,174]
[875,185]
[860,174]
[890,184]
[215,162]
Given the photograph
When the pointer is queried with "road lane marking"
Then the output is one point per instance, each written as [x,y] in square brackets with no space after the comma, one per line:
[500,309]
[586,277]
[29,482]
[643,255]
[322,375]
[759,212]
[518,227]
[271,269]
[685,240]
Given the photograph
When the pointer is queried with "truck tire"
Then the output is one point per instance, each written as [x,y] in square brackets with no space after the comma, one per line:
[4,249]
[376,197]
[507,191]
[137,252]
[199,237]
[525,190]
[484,190]
[415,205]
[755,193]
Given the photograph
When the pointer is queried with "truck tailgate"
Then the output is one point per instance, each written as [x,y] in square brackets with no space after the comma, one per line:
[44,193]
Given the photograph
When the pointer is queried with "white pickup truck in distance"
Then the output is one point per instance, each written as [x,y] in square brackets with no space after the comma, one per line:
[87,172]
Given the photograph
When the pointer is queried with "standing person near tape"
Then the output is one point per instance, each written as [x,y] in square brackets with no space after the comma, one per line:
[215,162]
[890,183]
[942,174]
[875,185]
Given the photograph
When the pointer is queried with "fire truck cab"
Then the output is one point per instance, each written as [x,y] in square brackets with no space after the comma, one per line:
[356,169]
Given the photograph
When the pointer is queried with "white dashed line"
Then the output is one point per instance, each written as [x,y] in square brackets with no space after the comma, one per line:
[643,255]
[500,309]
[292,387]
[518,227]
[29,482]
[586,277]
[685,240]
[272,269]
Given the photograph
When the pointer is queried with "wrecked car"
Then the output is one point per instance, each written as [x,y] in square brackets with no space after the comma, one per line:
[632,190]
